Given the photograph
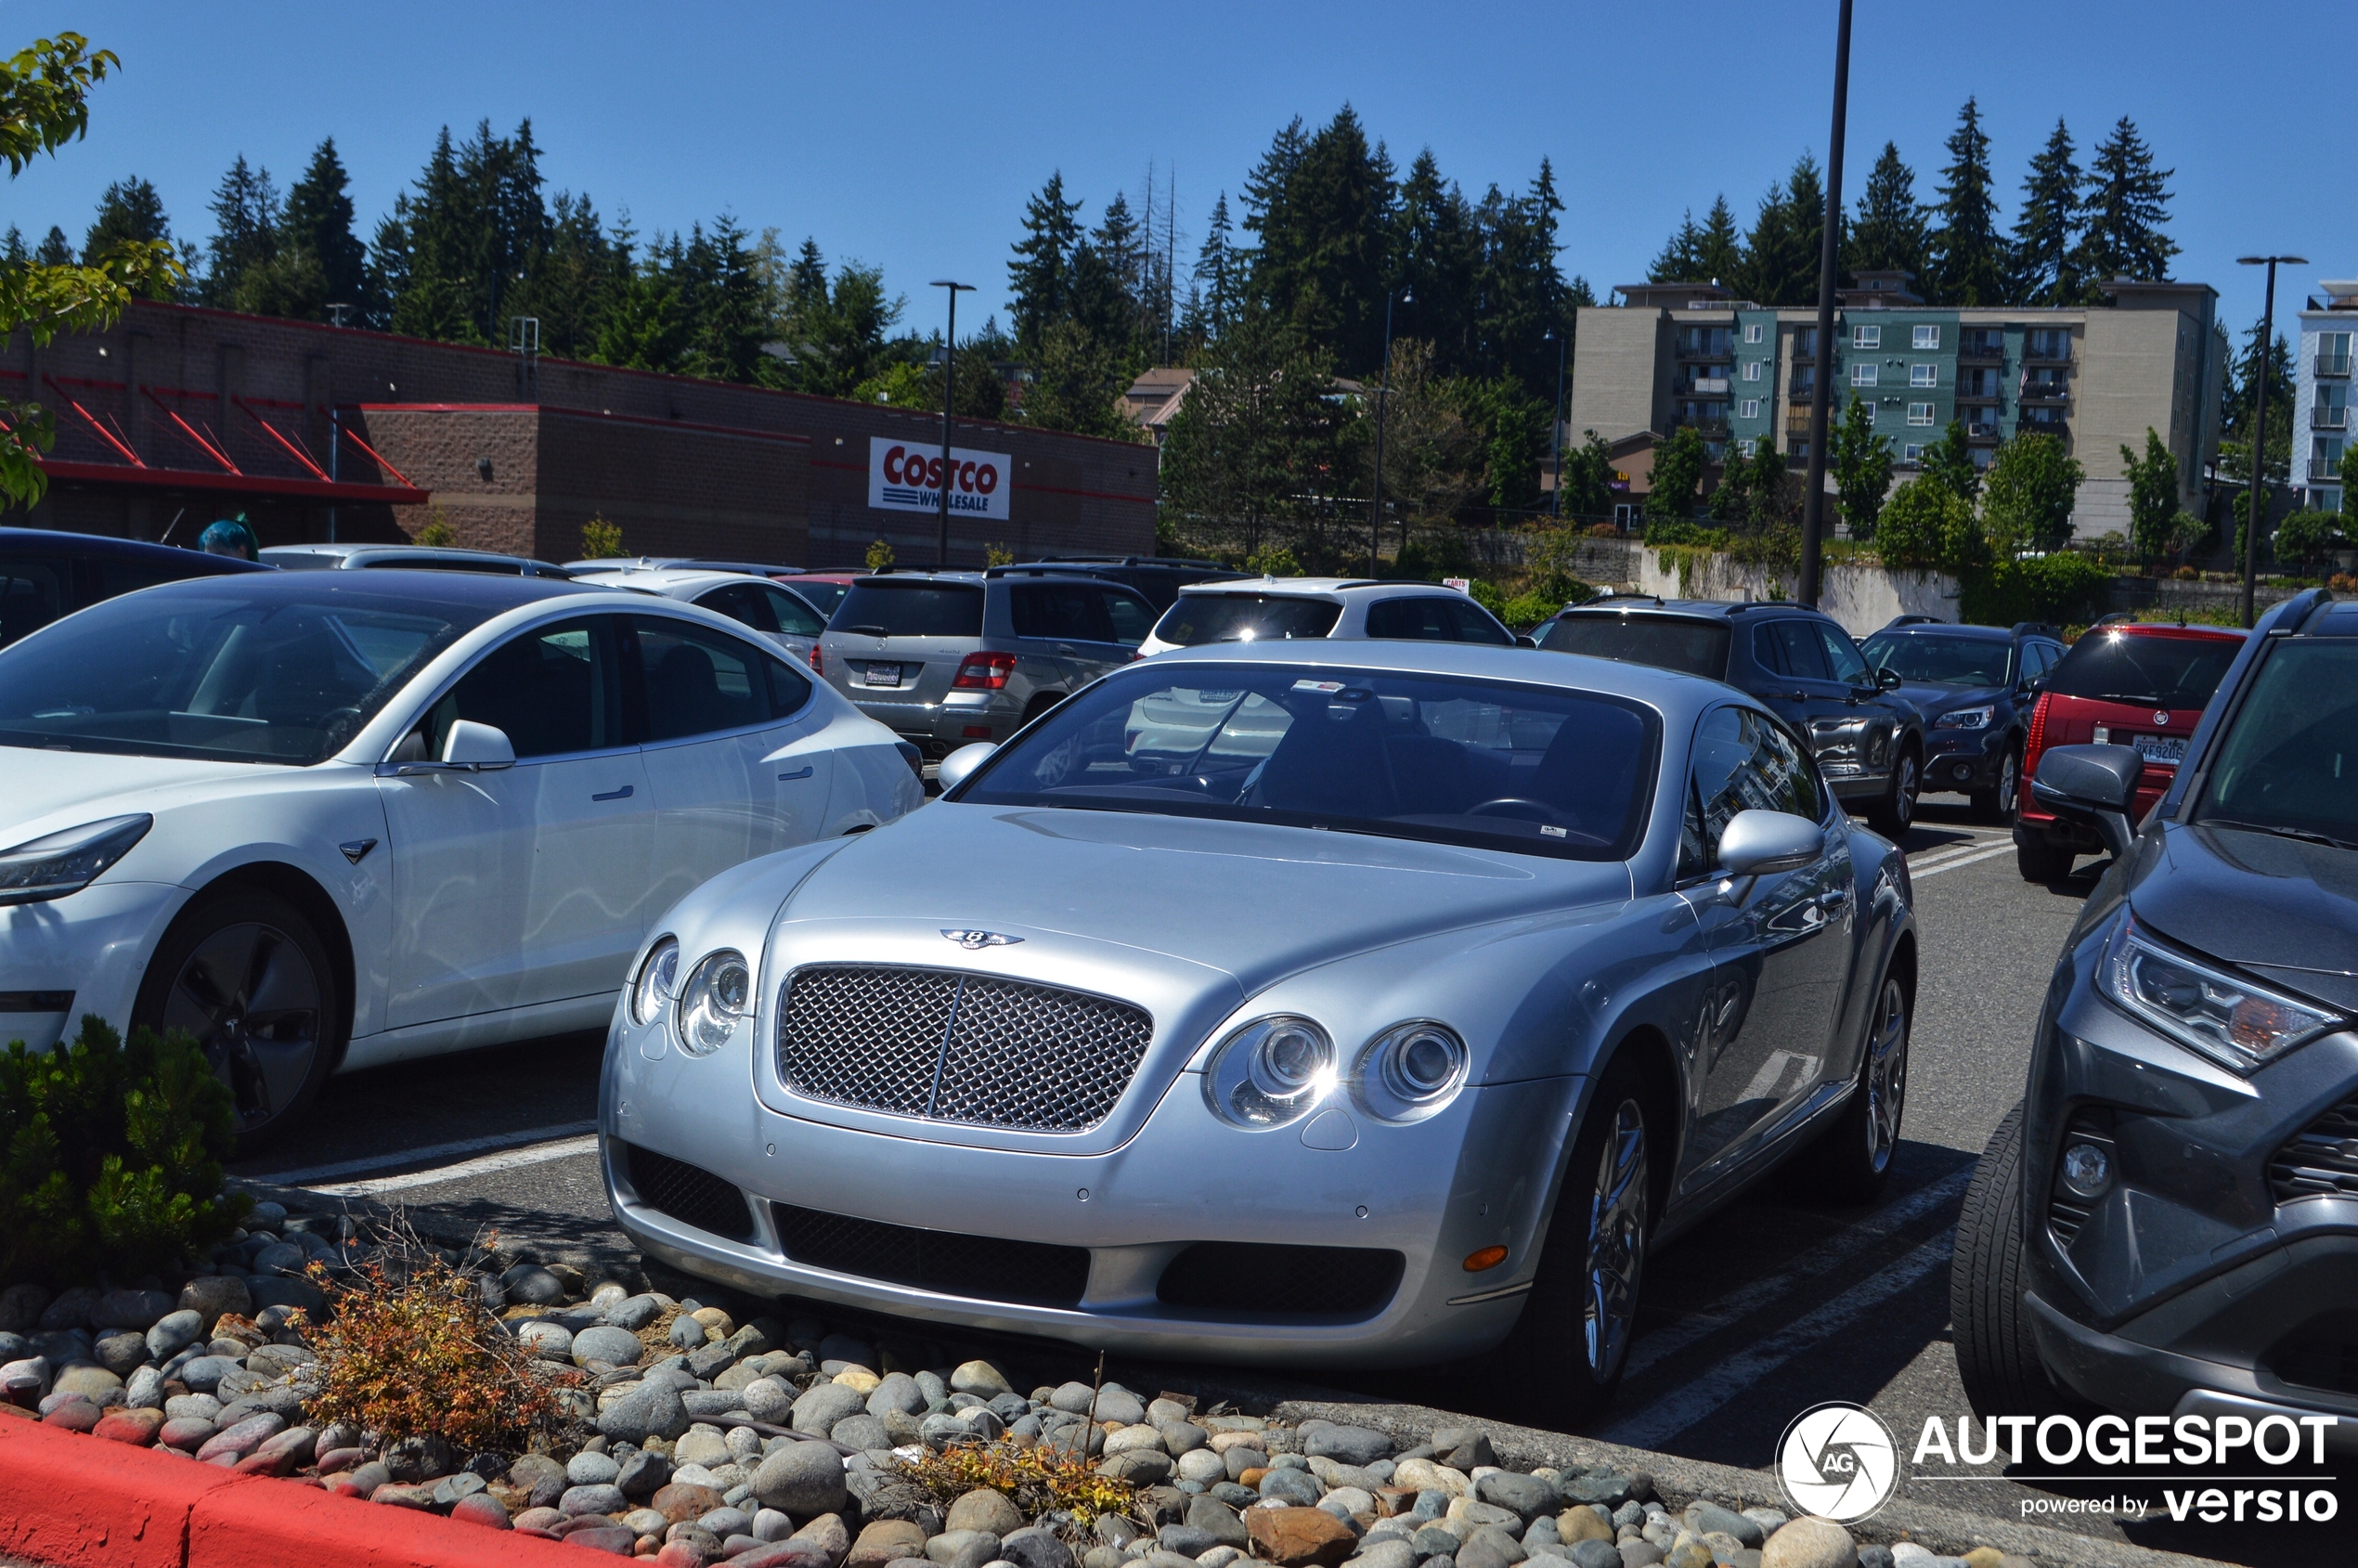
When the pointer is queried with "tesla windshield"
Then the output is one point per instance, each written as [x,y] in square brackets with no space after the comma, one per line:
[220,673]
[1941,661]
[1447,758]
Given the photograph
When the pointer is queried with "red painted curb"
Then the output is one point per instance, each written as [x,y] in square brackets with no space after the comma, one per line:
[68,1500]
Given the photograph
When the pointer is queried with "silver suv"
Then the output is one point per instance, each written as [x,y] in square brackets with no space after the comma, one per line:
[945,659]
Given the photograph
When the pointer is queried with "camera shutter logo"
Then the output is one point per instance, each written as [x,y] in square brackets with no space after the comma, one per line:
[1838,1461]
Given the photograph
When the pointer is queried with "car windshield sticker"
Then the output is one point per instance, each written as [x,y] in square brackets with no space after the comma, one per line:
[1317,685]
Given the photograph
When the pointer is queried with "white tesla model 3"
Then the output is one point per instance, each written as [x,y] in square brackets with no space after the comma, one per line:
[330,820]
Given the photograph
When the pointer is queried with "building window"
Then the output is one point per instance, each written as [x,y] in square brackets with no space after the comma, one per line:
[1980,455]
[1752,370]
[1750,407]
[1798,448]
[1804,343]
[1751,331]
[2047,342]
[2333,354]
[1913,452]
[1919,413]
[1923,375]
[1863,375]
[2331,411]
[1927,337]
[2325,456]
[2325,500]
[1866,337]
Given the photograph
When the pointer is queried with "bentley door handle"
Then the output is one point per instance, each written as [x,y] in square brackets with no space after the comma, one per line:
[622,793]
[801,773]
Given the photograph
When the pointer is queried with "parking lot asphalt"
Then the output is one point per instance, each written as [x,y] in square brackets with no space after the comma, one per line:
[1773,1305]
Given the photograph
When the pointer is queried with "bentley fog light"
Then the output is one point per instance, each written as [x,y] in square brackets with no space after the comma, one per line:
[713,1003]
[1271,1071]
[658,977]
[59,863]
[1412,1070]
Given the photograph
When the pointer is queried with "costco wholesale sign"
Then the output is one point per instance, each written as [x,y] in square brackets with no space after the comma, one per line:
[907,478]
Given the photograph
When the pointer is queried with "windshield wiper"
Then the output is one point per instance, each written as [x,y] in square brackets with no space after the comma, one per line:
[872,631]
[2306,835]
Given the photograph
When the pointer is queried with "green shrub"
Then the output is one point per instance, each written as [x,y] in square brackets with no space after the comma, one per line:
[111,1157]
[601,541]
[1527,610]
[1691,534]
[1274,560]
[1925,527]
[2065,589]
[1486,594]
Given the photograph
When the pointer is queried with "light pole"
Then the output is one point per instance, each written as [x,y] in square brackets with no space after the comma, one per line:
[2266,356]
[1813,503]
[948,386]
[1556,432]
[1383,395]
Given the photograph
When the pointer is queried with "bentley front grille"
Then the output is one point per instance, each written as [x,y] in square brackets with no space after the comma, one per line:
[950,1046]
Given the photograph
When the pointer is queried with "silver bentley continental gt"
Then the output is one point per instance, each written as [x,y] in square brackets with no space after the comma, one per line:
[1358,1004]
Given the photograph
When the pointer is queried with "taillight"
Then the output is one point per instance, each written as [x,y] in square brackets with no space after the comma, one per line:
[984,672]
[817,661]
[2036,741]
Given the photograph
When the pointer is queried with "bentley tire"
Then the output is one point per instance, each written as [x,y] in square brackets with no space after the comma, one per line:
[1850,1161]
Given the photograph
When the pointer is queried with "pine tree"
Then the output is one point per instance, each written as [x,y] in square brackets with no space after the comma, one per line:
[1322,261]
[1268,209]
[246,213]
[1719,249]
[1436,252]
[1861,462]
[130,210]
[318,218]
[574,286]
[1217,289]
[1681,258]
[1519,289]
[1948,463]
[2126,210]
[56,250]
[1782,252]
[1888,231]
[1967,255]
[1038,277]
[2047,234]
[12,248]
[1118,240]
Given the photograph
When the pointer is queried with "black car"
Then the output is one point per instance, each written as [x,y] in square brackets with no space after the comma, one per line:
[2167,1222]
[1868,739]
[1157,579]
[45,573]
[1976,686]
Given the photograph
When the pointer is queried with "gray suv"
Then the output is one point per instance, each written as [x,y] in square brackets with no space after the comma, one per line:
[945,659]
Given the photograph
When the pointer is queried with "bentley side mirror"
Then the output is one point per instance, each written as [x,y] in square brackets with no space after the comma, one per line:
[1755,843]
[1887,680]
[1523,640]
[960,764]
[2096,785]
[471,748]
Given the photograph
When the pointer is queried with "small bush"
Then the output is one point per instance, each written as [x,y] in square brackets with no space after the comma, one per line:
[2064,587]
[111,1157]
[1274,560]
[437,534]
[1486,594]
[1527,610]
[2342,582]
[601,541]
[998,555]
[879,556]
[1604,531]
[2187,575]
[1037,1479]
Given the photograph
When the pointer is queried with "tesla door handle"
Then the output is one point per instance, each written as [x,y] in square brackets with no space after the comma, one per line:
[801,773]
[1067,648]
[622,793]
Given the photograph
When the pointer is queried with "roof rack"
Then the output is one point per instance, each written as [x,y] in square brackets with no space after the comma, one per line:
[1604,594]
[2118,617]
[1917,620]
[2034,628]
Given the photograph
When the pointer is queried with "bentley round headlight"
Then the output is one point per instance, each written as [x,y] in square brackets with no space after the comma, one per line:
[1412,1070]
[650,992]
[713,1002]
[1271,1071]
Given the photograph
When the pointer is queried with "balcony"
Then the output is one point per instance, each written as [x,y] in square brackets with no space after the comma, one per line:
[1977,394]
[2323,418]
[2333,364]
[1981,353]
[2323,472]
[2055,351]
[2040,389]
[1705,386]
[1981,430]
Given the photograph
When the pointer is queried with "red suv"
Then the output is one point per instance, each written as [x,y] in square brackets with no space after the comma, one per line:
[2128,683]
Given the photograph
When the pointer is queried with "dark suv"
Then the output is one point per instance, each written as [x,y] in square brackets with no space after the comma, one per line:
[2167,1222]
[1868,739]
[1975,686]
[1156,578]
[948,658]
[45,573]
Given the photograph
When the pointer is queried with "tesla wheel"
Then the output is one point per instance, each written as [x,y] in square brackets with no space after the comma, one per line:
[1895,813]
[1997,1358]
[244,974]
[1850,1161]
[1576,1327]
[1997,803]
[2041,861]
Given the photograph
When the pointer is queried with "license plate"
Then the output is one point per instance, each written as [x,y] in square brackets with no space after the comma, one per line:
[2170,750]
[881,675]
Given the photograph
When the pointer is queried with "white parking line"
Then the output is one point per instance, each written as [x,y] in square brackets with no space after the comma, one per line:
[497,1141]
[1743,1303]
[539,1155]
[1988,854]
[1681,1408]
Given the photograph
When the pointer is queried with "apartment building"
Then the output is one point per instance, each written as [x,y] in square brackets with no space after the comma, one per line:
[1675,354]
[2321,393]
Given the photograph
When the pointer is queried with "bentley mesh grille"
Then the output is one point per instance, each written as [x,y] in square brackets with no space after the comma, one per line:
[688,1193]
[1343,1284]
[2322,1157]
[983,1268]
[952,1046]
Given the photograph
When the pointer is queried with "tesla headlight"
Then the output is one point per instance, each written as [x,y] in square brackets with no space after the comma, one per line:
[713,1002]
[658,978]
[58,863]
[1411,1069]
[1271,1071]
[1966,719]
[2233,1021]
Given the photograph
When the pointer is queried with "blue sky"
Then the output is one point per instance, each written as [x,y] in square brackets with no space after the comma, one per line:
[910,135]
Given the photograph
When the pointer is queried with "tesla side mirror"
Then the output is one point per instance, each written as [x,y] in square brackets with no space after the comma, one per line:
[1755,843]
[1887,680]
[2091,785]
[956,767]
[476,748]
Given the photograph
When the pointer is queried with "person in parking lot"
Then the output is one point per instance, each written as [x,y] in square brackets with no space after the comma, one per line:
[230,536]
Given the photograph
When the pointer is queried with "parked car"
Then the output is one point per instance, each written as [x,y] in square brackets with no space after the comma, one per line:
[1336,1026]
[1868,738]
[948,658]
[1156,578]
[405,557]
[1266,609]
[685,563]
[825,590]
[325,819]
[2146,685]
[1975,686]
[774,610]
[2163,1226]
[45,573]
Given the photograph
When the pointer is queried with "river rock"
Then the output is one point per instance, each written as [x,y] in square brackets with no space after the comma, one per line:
[985,1510]
[801,1479]
[1299,1537]
[1810,1543]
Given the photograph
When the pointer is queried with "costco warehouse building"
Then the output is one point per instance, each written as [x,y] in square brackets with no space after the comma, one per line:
[179,415]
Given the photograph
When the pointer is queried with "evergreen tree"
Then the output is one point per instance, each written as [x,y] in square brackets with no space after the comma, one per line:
[1256,440]
[1782,252]
[1948,463]
[2153,495]
[1677,473]
[1861,461]
[2126,211]
[319,219]
[1437,260]
[1719,249]
[1217,290]
[1321,263]
[1077,384]
[1038,279]
[56,249]
[1966,256]
[2047,234]
[1889,230]
[1521,297]
[574,285]
[245,209]
[1681,258]
[12,250]
[647,328]
[1268,208]
[130,210]
[721,304]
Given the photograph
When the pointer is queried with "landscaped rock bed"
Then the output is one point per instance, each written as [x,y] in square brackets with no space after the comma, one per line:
[690,1437]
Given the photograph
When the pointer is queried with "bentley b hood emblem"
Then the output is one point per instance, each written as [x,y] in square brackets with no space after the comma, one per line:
[975,941]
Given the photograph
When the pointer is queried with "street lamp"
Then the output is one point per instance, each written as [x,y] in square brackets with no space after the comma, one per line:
[1813,504]
[1383,395]
[2259,423]
[1556,431]
[949,385]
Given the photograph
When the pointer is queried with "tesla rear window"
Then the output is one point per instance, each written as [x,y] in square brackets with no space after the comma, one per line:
[1198,618]
[911,609]
[1490,764]
[2147,668]
[1689,646]
[1941,661]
